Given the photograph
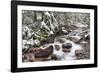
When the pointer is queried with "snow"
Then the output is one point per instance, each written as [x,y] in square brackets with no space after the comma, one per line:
[51,33]
[47,13]
[37,42]
[43,25]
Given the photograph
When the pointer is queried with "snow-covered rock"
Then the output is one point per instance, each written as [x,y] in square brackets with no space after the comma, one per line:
[75,38]
[37,42]
[51,33]
[27,43]
[31,42]
[24,46]
[84,43]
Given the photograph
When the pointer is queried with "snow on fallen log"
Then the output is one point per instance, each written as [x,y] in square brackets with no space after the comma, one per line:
[79,25]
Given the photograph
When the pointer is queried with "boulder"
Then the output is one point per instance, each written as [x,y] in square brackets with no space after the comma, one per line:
[54,57]
[44,53]
[61,40]
[75,38]
[57,47]
[38,54]
[79,54]
[84,43]
[67,45]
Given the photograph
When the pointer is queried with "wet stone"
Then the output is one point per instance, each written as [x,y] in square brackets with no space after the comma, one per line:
[54,57]
[57,47]
[67,45]
[66,50]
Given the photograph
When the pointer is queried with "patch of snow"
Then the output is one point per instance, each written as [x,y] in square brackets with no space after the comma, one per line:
[79,25]
[37,42]
[43,25]
[51,33]
[47,13]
